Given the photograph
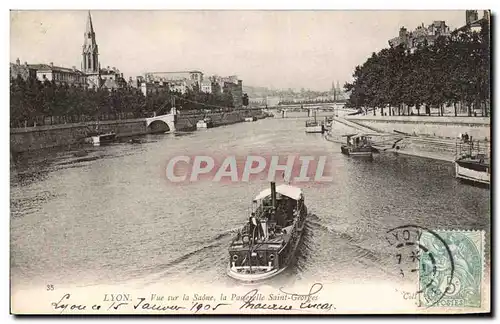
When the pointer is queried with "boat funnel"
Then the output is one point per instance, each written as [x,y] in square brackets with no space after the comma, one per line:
[265,233]
[273,194]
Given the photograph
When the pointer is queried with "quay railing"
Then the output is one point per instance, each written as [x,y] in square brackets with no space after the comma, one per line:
[468,148]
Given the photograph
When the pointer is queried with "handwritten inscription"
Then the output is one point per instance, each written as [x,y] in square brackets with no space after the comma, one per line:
[156,307]
[307,300]
[63,304]
[203,303]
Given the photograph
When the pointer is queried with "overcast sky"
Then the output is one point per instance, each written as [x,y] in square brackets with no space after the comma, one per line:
[279,49]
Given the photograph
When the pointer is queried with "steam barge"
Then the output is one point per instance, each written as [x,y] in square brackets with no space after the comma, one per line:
[266,244]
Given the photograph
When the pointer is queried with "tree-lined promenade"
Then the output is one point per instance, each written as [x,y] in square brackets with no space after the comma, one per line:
[454,70]
[45,103]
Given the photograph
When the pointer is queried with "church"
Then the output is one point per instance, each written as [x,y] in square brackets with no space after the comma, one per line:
[97,77]
[91,74]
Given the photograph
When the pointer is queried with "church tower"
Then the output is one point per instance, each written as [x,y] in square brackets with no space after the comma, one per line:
[90,55]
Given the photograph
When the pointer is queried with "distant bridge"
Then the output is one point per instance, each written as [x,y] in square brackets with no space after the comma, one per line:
[324,106]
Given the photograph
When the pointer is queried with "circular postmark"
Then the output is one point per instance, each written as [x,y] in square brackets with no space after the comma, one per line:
[424,255]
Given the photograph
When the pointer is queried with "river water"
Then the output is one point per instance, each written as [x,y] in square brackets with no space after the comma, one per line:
[88,216]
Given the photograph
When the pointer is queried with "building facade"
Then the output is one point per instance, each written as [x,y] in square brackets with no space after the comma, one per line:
[60,75]
[231,85]
[195,76]
[422,35]
[112,78]
[180,81]
[473,22]
[427,35]
[206,86]
[49,73]
[182,86]
[184,81]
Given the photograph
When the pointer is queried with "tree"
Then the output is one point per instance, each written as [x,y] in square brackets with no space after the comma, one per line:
[449,71]
[245,100]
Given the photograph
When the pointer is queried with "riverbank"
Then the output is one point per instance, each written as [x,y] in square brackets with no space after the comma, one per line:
[42,137]
[429,137]
[411,148]
[440,127]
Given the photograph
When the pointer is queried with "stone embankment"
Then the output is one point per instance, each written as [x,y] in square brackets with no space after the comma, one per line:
[434,137]
[41,137]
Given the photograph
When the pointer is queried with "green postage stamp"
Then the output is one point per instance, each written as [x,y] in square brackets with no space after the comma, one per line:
[451,269]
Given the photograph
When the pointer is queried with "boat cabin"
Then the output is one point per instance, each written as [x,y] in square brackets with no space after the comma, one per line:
[312,123]
[283,209]
[359,141]
[273,215]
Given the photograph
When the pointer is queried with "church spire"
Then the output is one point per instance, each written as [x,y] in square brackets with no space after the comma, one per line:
[90,28]
[89,37]
[90,53]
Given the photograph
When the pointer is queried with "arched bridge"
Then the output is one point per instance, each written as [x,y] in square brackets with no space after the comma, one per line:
[162,123]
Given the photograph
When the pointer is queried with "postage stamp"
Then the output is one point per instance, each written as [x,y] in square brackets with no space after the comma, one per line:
[451,268]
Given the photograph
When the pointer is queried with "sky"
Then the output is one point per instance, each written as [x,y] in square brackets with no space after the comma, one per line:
[275,49]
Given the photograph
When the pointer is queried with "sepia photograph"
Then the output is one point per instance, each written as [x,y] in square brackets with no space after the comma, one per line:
[250,162]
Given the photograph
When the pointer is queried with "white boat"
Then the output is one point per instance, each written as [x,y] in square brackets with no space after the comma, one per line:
[266,244]
[473,163]
[314,126]
[472,170]
[204,123]
[98,138]
[250,119]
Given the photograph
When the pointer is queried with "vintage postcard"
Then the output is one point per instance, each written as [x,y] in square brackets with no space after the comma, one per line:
[210,162]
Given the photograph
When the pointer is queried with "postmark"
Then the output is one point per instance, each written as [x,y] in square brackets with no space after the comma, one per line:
[463,287]
[409,251]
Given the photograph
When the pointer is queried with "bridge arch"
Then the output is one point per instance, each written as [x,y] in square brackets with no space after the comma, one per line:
[161,124]
[158,126]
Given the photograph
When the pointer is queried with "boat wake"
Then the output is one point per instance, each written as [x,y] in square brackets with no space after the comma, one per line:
[304,249]
[318,239]
[226,233]
[315,223]
[207,261]
[203,257]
